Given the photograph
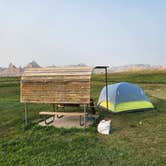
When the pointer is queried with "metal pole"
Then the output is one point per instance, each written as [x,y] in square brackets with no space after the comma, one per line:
[84,116]
[26,114]
[106,82]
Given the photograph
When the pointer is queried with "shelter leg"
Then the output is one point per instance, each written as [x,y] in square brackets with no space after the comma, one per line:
[26,114]
[53,106]
[92,107]
[84,116]
[81,123]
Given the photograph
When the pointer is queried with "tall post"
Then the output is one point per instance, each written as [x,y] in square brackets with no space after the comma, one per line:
[84,116]
[106,84]
[26,114]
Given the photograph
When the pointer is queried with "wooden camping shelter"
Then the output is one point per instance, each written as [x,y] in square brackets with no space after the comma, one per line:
[58,86]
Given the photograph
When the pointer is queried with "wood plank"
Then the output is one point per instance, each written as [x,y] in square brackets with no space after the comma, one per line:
[60,77]
[56,74]
[54,81]
[63,113]
[61,71]
[87,68]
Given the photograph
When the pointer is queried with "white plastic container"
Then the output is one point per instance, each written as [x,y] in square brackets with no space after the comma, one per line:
[104,127]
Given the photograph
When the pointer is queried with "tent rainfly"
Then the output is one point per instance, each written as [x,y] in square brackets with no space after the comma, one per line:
[58,86]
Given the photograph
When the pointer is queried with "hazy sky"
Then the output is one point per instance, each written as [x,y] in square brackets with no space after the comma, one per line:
[95,32]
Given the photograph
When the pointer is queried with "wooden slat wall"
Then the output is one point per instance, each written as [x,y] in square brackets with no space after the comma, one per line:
[56,85]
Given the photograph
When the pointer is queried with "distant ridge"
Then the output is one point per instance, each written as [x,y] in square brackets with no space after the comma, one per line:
[136,68]
[78,65]
[133,68]
[12,70]
[32,64]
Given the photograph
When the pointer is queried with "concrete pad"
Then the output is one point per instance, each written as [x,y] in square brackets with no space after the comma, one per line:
[69,121]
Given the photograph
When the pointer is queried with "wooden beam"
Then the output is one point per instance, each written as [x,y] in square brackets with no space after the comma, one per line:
[26,114]
[63,113]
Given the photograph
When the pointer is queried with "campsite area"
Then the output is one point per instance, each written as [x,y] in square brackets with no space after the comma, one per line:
[136,138]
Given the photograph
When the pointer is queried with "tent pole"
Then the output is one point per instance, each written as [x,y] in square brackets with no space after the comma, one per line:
[26,114]
[106,83]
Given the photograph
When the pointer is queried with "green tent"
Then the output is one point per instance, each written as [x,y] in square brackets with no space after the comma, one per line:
[124,97]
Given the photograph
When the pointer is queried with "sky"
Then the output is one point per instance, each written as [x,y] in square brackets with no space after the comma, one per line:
[94,32]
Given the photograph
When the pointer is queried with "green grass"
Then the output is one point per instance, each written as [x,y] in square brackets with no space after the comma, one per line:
[129,143]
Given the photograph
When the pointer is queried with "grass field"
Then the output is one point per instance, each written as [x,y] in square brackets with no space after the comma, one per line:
[129,143]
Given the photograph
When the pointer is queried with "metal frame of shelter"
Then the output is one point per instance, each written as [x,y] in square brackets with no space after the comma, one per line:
[32,79]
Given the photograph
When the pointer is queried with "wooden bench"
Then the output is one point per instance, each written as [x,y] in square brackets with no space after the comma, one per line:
[61,114]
